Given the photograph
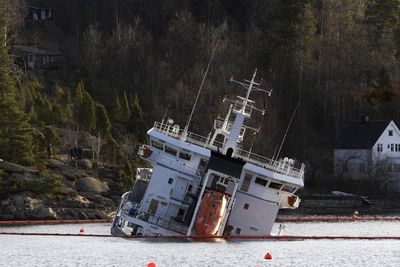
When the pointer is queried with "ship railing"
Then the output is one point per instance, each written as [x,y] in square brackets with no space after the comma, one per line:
[239,106]
[281,166]
[175,132]
[219,123]
[178,165]
[162,222]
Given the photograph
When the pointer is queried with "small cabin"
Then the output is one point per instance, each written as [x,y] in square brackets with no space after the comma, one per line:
[40,13]
[30,57]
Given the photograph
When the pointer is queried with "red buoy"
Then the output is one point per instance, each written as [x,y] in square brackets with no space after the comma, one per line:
[268,256]
[82,230]
[151,264]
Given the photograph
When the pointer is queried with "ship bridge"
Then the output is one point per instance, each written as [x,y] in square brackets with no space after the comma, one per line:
[173,134]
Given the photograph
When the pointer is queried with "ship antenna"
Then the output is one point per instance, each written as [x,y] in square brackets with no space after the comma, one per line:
[294,112]
[184,134]
[287,130]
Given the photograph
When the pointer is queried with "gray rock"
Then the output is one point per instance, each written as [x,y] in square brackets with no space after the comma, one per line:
[6,202]
[45,213]
[11,209]
[22,178]
[85,163]
[55,164]
[18,201]
[92,185]
[12,167]
[69,182]
[6,217]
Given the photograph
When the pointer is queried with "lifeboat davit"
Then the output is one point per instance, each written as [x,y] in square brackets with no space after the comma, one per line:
[211,213]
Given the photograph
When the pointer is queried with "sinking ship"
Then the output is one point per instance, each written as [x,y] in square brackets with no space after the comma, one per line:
[208,185]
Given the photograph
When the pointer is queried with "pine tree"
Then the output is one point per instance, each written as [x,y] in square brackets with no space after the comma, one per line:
[103,124]
[15,131]
[87,112]
[125,110]
[137,124]
[116,111]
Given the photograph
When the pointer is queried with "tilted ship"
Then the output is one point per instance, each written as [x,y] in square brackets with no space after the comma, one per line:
[208,185]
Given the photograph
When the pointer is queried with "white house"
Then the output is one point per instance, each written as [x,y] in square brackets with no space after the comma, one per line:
[369,150]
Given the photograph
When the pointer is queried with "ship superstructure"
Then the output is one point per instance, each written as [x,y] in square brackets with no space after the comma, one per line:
[208,185]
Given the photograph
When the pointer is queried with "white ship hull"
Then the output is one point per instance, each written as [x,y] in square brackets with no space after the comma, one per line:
[208,186]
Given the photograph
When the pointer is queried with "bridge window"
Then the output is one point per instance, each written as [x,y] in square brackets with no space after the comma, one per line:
[246,206]
[170,180]
[170,150]
[157,145]
[246,182]
[261,181]
[288,188]
[275,185]
[184,155]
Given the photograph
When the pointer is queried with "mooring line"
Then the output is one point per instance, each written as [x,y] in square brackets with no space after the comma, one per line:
[278,220]
[336,219]
[52,222]
[277,238]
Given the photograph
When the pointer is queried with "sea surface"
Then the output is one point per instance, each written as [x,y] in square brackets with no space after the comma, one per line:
[114,251]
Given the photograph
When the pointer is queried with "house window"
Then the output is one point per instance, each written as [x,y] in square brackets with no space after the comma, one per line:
[380,147]
[238,230]
[390,168]
[246,206]
[170,180]
[396,167]
[391,147]
[339,168]
[390,132]
[361,167]
[397,147]
[261,181]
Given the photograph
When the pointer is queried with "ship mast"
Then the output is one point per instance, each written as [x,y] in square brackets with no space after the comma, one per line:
[243,106]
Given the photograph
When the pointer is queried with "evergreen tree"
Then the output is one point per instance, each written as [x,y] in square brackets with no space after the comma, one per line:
[103,124]
[116,111]
[87,112]
[137,124]
[15,131]
[125,110]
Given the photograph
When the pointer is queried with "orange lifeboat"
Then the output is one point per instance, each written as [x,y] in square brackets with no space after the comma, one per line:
[211,213]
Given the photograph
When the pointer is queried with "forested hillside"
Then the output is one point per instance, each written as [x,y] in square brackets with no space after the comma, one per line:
[127,63]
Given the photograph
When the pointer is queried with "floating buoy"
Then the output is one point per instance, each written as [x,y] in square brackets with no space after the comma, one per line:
[82,230]
[151,264]
[268,256]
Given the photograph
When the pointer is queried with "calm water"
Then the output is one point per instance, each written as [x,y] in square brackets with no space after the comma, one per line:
[98,251]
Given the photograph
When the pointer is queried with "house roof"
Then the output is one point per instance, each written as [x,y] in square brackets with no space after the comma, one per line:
[356,135]
[36,50]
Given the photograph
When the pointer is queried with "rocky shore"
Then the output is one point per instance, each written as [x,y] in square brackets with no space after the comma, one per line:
[61,191]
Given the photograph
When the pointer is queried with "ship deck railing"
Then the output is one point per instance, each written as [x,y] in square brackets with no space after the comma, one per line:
[283,166]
